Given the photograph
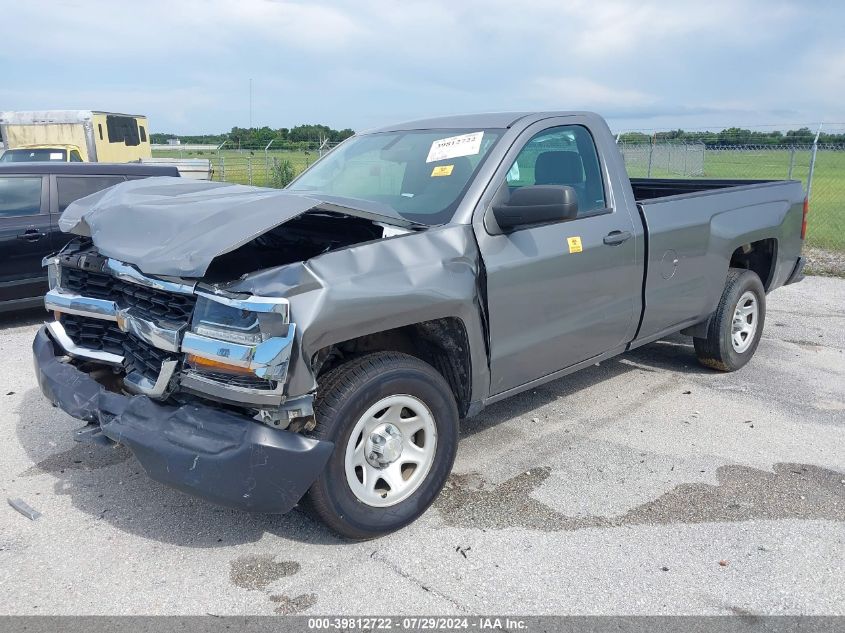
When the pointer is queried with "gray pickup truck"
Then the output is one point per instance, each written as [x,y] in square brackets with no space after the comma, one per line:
[319,344]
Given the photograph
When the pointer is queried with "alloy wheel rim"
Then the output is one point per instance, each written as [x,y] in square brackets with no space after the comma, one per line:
[390,450]
[745,320]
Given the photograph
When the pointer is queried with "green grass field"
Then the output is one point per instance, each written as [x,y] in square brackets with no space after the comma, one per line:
[827,207]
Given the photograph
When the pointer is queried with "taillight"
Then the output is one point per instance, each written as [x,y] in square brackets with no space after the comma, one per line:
[804,218]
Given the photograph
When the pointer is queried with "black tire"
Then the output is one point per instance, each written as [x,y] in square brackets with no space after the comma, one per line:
[717,351]
[343,396]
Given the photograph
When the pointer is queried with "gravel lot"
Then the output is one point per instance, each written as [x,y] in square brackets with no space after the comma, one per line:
[645,485]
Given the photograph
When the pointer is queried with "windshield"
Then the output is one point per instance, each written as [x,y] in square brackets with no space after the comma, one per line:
[33,155]
[419,175]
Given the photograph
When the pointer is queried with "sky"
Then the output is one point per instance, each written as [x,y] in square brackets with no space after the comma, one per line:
[644,65]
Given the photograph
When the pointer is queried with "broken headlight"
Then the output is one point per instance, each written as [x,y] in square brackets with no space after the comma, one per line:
[240,336]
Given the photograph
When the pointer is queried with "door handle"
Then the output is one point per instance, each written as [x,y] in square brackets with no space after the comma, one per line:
[31,235]
[614,238]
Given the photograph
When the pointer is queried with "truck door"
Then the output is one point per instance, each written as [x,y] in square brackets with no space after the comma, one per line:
[24,236]
[561,293]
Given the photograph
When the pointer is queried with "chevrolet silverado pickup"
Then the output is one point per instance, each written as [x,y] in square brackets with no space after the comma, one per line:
[319,344]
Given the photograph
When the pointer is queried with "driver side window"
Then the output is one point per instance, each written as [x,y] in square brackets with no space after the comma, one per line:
[564,155]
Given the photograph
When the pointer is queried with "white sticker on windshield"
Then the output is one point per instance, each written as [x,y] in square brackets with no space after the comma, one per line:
[455,146]
[56,156]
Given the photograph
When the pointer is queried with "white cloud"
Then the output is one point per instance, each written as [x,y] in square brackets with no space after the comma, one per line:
[819,80]
[582,92]
[171,29]
[365,62]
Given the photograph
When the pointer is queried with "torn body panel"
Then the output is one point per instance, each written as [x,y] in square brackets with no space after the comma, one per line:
[299,239]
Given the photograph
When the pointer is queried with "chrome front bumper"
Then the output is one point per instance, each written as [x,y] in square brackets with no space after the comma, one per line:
[267,360]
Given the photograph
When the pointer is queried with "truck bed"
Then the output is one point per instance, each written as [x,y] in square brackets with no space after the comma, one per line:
[650,188]
[694,228]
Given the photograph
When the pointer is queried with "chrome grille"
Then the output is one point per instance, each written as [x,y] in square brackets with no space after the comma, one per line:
[98,334]
[148,303]
[93,334]
[89,284]
[111,313]
[143,358]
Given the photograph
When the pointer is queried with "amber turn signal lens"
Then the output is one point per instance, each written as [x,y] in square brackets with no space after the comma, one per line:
[215,365]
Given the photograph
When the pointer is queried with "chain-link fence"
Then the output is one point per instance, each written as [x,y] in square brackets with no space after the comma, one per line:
[265,166]
[664,160]
[826,221]
[263,169]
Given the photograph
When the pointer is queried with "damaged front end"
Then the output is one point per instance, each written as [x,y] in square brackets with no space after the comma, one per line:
[158,355]
[143,290]
[191,381]
[170,339]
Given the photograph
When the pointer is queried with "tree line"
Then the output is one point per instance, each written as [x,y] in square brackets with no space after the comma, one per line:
[299,136]
[309,136]
[735,136]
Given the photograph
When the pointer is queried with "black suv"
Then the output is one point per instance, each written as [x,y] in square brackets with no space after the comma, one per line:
[32,197]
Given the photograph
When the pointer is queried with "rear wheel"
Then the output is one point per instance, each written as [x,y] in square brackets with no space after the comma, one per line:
[394,423]
[737,324]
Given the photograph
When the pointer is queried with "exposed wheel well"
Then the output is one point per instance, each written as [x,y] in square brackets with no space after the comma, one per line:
[757,256]
[442,343]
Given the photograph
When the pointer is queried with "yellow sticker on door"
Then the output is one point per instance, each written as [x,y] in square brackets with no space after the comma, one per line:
[574,244]
[442,170]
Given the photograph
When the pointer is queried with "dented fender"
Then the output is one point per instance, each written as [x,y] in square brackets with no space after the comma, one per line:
[378,286]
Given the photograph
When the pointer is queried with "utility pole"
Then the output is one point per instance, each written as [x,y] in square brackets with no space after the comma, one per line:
[250,103]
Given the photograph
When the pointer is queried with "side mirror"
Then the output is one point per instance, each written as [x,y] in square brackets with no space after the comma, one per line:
[536,204]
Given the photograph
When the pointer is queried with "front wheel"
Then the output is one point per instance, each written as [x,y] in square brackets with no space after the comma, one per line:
[737,324]
[394,423]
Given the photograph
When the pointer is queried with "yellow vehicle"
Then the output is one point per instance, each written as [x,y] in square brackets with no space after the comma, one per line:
[74,135]
[43,153]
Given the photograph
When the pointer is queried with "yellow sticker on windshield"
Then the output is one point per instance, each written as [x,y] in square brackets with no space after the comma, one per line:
[442,170]
[574,244]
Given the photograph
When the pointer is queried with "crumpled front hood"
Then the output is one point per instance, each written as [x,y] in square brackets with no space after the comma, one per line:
[176,227]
